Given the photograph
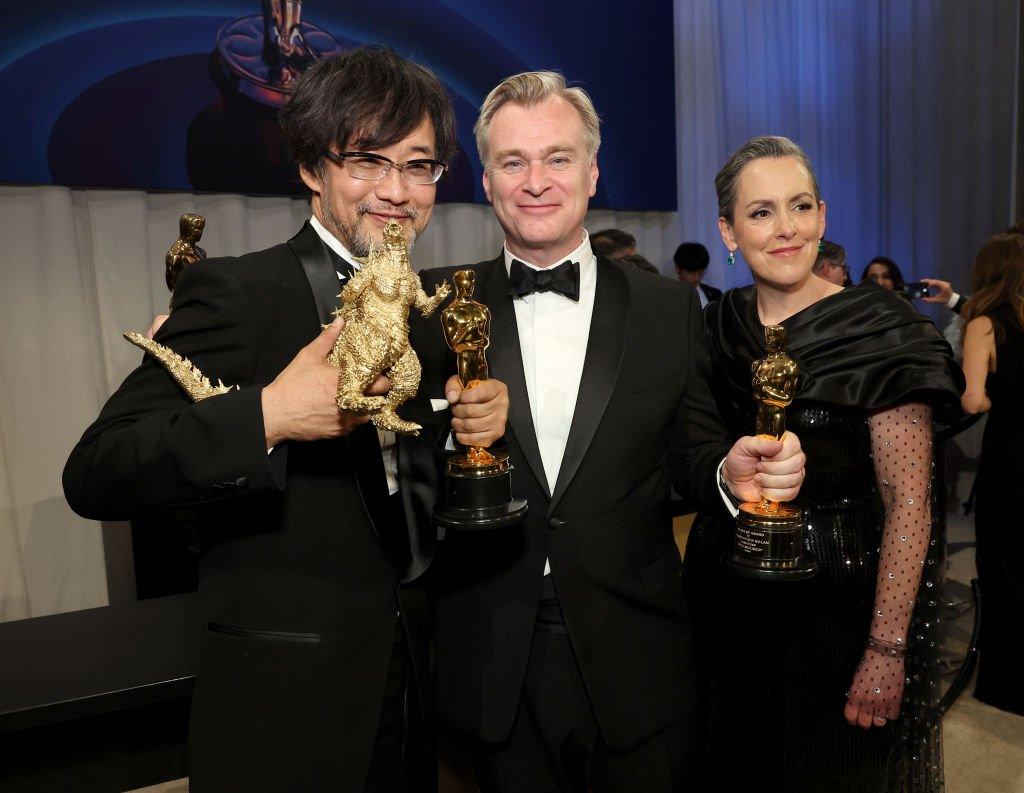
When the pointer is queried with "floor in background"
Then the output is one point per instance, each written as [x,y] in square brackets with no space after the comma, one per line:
[177,786]
[983,746]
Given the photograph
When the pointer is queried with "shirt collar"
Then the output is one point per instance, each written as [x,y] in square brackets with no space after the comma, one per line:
[583,255]
[333,242]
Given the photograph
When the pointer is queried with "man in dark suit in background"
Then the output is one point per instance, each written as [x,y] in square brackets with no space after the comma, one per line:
[830,263]
[613,243]
[691,259]
[314,529]
[562,645]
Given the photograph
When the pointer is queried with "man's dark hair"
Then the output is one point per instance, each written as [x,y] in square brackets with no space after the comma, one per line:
[830,252]
[692,257]
[607,241]
[640,263]
[369,98]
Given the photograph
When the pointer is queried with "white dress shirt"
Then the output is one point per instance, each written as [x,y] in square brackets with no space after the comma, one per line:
[702,297]
[553,336]
[388,448]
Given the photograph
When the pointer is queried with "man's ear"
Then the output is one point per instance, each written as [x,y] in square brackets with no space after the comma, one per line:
[595,172]
[487,186]
[310,180]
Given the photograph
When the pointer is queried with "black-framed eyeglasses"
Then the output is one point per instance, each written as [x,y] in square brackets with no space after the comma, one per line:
[374,167]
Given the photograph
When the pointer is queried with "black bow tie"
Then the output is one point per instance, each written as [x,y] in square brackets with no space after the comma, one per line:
[564,279]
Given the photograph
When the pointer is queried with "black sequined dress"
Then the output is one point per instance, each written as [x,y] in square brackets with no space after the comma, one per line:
[998,524]
[777,658]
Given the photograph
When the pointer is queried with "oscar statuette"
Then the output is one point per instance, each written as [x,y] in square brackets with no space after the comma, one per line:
[478,490]
[768,543]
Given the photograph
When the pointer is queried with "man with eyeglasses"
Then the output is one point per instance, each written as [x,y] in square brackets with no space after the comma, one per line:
[831,263]
[315,529]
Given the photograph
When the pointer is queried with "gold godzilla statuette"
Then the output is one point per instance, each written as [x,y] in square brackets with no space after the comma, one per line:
[185,373]
[375,304]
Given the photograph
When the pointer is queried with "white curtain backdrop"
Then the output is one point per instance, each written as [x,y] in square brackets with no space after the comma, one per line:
[79,268]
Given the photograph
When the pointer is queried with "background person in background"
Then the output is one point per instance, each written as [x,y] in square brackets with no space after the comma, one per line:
[994,368]
[942,291]
[691,260]
[640,263]
[613,243]
[885,272]
[831,264]
[776,657]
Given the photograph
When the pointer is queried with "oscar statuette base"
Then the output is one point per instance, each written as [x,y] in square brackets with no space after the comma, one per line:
[479,496]
[768,544]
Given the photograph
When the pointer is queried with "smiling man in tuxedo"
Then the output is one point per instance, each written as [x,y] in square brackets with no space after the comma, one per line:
[563,647]
[315,529]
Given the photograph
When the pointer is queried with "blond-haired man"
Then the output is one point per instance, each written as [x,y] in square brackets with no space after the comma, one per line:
[562,645]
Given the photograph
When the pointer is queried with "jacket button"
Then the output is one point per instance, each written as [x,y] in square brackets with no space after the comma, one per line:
[555,523]
[242,482]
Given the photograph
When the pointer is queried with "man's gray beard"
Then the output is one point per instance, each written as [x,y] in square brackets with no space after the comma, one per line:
[353,235]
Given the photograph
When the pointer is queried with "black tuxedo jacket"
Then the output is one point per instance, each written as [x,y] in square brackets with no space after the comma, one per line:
[298,599]
[712,293]
[605,525]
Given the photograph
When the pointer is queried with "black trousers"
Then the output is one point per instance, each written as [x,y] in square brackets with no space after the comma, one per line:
[398,761]
[556,745]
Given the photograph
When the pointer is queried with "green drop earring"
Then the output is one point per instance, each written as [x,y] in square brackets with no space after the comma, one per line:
[821,246]
[731,258]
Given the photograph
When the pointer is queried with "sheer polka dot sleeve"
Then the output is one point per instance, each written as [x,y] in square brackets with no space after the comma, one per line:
[901,441]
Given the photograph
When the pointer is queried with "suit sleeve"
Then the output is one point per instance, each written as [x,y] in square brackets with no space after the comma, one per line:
[700,439]
[151,447]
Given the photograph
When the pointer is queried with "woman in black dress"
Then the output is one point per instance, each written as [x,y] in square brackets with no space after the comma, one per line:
[994,366]
[824,685]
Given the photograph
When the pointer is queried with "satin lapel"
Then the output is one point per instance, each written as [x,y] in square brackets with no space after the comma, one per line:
[318,264]
[321,272]
[609,326]
[505,361]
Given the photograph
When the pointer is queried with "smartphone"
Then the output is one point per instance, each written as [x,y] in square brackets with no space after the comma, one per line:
[918,289]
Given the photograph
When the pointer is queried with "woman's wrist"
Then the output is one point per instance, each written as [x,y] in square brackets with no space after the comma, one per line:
[893,649]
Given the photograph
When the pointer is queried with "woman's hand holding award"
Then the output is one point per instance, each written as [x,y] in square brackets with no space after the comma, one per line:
[769,536]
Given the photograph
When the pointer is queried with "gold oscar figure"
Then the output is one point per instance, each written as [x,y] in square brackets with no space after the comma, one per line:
[185,251]
[769,535]
[479,483]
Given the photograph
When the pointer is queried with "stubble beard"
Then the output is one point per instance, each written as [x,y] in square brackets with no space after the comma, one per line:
[354,235]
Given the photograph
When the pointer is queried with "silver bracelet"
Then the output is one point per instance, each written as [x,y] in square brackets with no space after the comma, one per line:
[891,649]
